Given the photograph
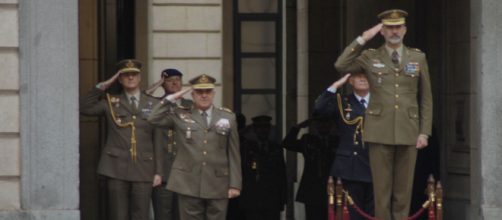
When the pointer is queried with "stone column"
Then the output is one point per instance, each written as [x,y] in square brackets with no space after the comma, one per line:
[48,111]
[486,110]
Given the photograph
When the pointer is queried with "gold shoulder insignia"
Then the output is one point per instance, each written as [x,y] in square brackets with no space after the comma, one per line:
[415,49]
[371,49]
[225,109]
[183,107]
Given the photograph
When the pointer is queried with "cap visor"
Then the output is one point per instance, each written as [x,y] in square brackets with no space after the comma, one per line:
[203,86]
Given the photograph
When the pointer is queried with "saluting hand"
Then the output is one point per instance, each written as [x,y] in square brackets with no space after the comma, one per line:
[370,33]
[106,84]
[337,84]
[178,95]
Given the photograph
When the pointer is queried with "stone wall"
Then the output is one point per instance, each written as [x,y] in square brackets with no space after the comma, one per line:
[187,35]
[10,169]
[39,101]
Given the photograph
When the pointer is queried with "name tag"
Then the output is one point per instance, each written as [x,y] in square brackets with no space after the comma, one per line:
[379,65]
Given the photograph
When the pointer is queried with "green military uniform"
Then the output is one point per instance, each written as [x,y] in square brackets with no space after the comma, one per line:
[399,111]
[130,167]
[164,201]
[207,161]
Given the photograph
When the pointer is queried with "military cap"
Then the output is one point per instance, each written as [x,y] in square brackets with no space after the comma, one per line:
[170,72]
[129,65]
[203,82]
[393,17]
[261,120]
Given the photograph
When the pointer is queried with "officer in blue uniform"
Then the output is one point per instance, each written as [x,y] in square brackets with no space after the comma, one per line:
[352,161]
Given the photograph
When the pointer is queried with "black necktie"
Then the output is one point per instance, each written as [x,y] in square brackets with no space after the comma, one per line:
[133,103]
[395,58]
[363,102]
[204,116]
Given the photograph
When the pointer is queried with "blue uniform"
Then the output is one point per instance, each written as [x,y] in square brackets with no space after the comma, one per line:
[351,162]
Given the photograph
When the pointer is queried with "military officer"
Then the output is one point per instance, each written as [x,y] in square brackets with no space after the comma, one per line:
[264,174]
[399,117]
[130,157]
[164,201]
[318,149]
[352,163]
[206,171]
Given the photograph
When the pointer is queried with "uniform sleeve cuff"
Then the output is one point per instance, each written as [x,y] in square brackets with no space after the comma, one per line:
[360,40]
[331,89]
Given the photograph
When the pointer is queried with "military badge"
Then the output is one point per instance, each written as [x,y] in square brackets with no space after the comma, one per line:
[348,110]
[186,118]
[412,68]
[222,126]
[378,65]
[188,134]
[115,101]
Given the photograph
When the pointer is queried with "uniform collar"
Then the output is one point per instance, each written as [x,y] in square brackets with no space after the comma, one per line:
[399,50]
[366,98]
[136,95]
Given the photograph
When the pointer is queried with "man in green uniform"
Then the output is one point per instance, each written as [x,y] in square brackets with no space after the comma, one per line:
[164,201]
[398,119]
[206,171]
[129,158]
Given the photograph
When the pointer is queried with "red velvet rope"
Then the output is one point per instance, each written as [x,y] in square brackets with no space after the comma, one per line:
[413,217]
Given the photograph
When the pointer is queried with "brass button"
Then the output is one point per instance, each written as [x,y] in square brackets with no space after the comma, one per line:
[204,152]
[371,112]
[397,85]
[397,74]
[205,141]
[352,49]
[380,73]
[396,106]
[355,153]
[134,117]
[203,163]
[397,96]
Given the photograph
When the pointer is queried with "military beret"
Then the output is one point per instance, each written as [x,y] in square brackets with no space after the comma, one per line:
[129,65]
[170,72]
[393,17]
[203,82]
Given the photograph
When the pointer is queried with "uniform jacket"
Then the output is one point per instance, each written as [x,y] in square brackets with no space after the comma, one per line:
[207,161]
[116,160]
[168,148]
[352,160]
[318,155]
[401,100]
[264,176]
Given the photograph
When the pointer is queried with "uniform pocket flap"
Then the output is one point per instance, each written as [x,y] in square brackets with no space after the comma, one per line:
[222,172]
[147,156]
[413,112]
[374,110]
[182,167]
[113,152]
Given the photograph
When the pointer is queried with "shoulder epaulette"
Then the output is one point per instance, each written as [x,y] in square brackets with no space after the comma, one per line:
[371,49]
[416,50]
[183,107]
[225,109]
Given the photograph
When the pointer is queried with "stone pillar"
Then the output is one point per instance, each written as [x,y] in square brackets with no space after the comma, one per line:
[48,111]
[486,106]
